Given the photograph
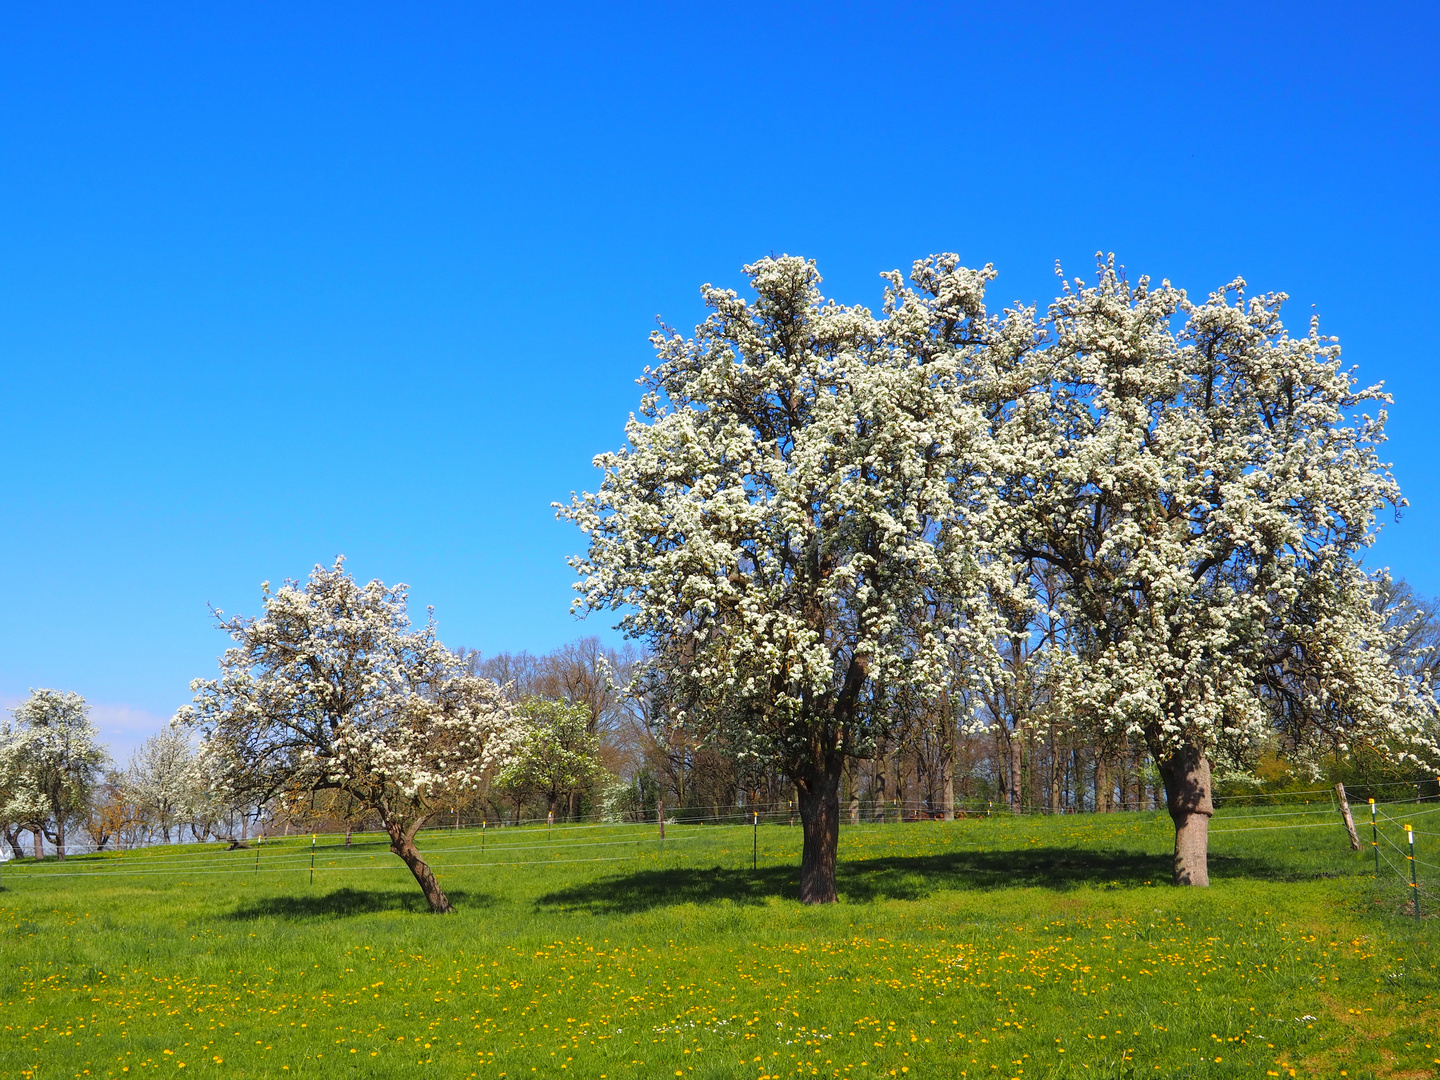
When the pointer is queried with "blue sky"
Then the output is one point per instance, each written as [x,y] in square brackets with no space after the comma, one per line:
[279,282]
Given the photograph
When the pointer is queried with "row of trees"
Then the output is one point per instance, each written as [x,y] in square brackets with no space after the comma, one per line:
[1132,523]
[58,784]
[1104,555]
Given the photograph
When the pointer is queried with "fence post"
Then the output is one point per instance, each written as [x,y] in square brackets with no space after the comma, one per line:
[1349,820]
[660,813]
[755,842]
[1375,838]
[1414,881]
[257,853]
[312,858]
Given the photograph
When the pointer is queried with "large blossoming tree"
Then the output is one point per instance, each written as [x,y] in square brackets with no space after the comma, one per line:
[797,491]
[1197,485]
[332,689]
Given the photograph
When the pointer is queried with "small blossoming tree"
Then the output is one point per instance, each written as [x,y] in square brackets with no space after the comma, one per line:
[56,758]
[332,689]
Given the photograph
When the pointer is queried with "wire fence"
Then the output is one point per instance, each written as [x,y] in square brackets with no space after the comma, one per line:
[538,842]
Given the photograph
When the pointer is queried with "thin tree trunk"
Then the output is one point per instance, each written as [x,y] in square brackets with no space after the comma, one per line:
[853,776]
[879,788]
[59,837]
[402,843]
[1188,798]
[947,786]
[1016,769]
[1057,769]
[819,796]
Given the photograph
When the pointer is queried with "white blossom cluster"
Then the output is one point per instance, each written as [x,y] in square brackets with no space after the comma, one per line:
[1201,484]
[332,688]
[795,524]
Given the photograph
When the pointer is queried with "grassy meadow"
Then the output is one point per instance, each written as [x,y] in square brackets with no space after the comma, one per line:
[991,947]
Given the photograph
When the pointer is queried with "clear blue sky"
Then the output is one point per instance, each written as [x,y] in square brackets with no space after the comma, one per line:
[283,281]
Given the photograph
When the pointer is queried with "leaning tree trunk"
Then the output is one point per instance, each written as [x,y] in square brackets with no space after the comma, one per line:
[402,843]
[819,792]
[1187,796]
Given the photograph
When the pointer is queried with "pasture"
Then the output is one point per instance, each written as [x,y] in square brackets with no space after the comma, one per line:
[991,947]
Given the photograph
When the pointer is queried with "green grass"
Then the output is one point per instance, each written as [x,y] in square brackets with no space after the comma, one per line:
[997,947]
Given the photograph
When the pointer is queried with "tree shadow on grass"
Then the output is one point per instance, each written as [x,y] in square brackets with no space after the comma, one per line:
[340,903]
[892,878]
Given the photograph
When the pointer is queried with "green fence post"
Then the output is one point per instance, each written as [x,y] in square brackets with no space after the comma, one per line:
[755,843]
[1414,881]
[312,858]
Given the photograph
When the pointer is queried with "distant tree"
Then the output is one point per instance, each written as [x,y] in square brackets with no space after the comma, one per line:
[112,817]
[1413,622]
[21,808]
[555,755]
[59,757]
[799,484]
[333,690]
[161,780]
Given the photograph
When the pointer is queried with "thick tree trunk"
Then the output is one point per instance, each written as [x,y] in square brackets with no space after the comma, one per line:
[1187,796]
[59,837]
[819,794]
[39,845]
[402,843]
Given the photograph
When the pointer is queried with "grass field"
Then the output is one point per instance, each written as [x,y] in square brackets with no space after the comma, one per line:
[1000,947]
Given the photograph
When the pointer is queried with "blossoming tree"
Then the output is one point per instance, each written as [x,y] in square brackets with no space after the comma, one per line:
[797,488]
[56,759]
[1200,485]
[333,689]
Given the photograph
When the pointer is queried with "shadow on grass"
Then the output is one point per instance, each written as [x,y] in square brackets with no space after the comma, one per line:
[342,902]
[893,878]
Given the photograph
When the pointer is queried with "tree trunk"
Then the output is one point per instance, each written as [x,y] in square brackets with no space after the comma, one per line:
[59,837]
[819,796]
[879,790]
[39,845]
[854,776]
[1057,770]
[1016,765]
[1187,796]
[947,788]
[402,843]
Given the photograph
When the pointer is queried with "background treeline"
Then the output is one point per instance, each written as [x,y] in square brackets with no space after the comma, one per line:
[595,752]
